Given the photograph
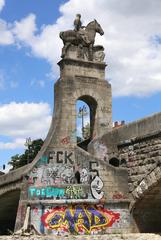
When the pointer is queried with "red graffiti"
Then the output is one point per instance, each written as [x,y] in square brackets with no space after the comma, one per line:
[65,140]
[79,219]
[36,210]
[118,196]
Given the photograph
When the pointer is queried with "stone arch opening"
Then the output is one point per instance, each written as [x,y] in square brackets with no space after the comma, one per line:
[147,211]
[90,105]
[8,211]
[114,162]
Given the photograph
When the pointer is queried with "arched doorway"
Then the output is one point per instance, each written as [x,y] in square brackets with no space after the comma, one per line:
[8,211]
[85,121]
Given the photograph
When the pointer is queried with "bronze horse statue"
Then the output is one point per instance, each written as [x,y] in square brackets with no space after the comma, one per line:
[82,38]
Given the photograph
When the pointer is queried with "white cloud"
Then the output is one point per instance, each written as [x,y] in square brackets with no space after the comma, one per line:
[134,59]
[16,143]
[2,3]
[45,44]
[22,120]
[5,33]
[132,40]
[24,30]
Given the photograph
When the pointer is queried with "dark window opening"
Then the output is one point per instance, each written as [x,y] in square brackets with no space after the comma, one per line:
[114,162]
[77,177]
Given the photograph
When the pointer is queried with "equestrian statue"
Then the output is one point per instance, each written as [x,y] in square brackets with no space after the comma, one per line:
[82,37]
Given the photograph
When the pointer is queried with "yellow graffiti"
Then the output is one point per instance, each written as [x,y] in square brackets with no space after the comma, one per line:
[79,219]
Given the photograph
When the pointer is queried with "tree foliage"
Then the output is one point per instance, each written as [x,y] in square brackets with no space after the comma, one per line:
[86,131]
[30,153]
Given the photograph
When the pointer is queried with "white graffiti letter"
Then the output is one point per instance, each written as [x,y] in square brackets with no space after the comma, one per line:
[96,186]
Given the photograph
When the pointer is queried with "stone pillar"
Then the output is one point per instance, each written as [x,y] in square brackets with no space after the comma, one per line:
[84,80]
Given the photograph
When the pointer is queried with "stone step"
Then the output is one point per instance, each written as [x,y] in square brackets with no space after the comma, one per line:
[137,236]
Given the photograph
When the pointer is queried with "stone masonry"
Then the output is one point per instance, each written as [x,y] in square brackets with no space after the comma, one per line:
[138,146]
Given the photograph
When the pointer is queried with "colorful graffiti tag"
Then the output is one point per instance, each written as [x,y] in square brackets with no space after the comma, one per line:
[47,192]
[69,192]
[79,219]
[75,192]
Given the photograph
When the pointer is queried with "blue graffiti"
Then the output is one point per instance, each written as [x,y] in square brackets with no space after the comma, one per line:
[47,192]
[88,217]
[42,161]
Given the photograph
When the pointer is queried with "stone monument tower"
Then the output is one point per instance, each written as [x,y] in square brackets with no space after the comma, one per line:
[82,77]
[66,190]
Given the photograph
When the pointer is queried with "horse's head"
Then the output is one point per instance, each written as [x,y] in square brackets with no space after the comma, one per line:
[98,28]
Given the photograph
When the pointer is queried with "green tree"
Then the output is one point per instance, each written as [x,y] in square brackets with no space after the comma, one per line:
[30,153]
[79,139]
[86,131]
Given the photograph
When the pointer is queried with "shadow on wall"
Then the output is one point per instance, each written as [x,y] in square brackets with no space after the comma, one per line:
[147,211]
[8,211]
[148,220]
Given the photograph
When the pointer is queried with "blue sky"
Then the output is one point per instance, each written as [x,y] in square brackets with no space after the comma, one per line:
[30,48]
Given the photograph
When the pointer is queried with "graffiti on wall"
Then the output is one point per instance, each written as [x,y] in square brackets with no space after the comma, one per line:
[84,175]
[93,168]
[33,176]
[100,150]
[51,174]
[48,192]
[42,161]
[96,188]
[57,174]
[65,140]
[118,195]
[58,169]
[96,181]
[60,156]
[75,192]
[69,139]
[79,219]
[69,192]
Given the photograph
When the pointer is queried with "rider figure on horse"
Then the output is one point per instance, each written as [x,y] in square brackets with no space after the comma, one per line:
[77,22]
[80,29]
